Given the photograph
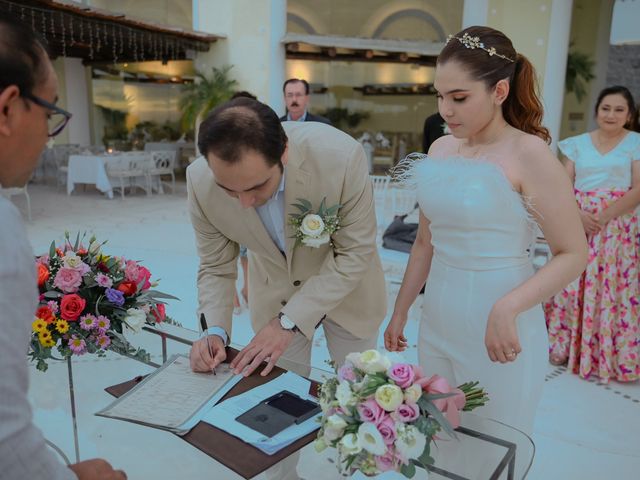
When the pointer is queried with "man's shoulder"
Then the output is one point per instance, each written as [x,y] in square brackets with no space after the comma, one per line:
[319,137]
[317,118]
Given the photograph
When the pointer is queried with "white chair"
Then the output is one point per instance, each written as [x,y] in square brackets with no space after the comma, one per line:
[9,192]
[403,201]
[380,188]
[163,163]
[129,170]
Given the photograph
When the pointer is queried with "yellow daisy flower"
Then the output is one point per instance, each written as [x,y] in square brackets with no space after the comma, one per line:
[46,340]
[39,325]
[62,326]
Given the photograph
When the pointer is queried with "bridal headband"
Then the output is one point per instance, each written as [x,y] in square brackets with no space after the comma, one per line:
[474,42]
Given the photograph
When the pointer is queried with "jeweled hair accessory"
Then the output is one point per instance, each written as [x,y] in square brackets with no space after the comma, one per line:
[474,42]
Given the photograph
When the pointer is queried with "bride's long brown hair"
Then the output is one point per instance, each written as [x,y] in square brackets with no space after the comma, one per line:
[522,109]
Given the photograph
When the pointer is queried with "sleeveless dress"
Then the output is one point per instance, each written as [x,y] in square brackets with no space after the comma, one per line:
[594,322]
[481,234]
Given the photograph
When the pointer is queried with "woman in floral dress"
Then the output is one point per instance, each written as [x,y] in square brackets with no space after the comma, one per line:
[594,323]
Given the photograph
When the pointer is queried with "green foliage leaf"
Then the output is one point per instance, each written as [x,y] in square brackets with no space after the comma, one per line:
[408,470]
[437,415]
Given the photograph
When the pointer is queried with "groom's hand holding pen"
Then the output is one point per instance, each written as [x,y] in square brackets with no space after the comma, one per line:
[208,352]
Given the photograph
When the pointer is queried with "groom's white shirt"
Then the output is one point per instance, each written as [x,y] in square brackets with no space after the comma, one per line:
[272,215]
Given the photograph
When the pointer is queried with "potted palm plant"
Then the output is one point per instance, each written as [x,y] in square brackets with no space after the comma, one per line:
[203,95]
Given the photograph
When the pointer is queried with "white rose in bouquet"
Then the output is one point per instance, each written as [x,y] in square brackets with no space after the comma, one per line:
[410,442]
[334,428]
[389,397]
[372,361]
[344,395]
[370,439]
[349,444]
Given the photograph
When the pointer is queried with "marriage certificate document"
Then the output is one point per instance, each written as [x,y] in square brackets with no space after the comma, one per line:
[173,397]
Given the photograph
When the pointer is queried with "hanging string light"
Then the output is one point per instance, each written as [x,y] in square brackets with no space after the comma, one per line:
[64,41]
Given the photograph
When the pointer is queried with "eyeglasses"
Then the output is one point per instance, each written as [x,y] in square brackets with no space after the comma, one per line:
[58,118]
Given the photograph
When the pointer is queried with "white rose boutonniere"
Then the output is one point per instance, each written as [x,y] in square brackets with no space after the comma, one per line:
[312,228]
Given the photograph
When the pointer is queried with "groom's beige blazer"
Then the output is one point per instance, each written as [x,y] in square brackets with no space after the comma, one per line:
[343,281]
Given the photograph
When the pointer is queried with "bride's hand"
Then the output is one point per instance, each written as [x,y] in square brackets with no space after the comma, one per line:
[394,339]
[501,337]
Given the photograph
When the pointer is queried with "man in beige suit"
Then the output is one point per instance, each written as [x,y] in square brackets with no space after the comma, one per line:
[255,169]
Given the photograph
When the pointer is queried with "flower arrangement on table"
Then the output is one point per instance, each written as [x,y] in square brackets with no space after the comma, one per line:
[311,228]
[86,301]
[381,416]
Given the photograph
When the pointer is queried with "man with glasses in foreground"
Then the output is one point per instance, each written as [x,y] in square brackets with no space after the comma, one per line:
[28,117]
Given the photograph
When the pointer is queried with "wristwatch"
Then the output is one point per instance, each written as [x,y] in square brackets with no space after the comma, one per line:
[287,324]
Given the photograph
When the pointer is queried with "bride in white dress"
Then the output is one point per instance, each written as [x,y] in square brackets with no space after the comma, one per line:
[481,191]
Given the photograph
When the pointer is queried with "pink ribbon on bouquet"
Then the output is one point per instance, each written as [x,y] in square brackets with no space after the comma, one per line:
[450,406]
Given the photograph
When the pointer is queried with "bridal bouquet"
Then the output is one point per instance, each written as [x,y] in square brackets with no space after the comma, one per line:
[382,416]
[86,301]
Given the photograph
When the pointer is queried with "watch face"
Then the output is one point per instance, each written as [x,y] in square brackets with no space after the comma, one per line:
[286,323]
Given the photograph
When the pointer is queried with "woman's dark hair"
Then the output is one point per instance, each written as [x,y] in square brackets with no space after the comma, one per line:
[22,54]
[632,124]
[239,125]
[522,109]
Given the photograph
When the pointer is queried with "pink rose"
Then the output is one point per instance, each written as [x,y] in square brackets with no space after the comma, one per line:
[68,280]
[345,372]
[104,281]
[131,271]
[386,462]
[387,429]
[144,275]
[402,374]
[406,412]
[370,411]
[137,273]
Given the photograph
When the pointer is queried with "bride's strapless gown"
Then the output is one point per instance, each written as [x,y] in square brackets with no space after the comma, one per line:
[481,234]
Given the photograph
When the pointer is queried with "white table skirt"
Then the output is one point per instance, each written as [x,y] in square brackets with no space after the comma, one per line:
[88,169]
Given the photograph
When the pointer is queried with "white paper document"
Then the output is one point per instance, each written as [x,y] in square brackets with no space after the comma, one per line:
[223,415]
[173,397]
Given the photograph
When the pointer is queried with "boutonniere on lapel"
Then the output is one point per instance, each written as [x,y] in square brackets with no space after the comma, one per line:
[314,228]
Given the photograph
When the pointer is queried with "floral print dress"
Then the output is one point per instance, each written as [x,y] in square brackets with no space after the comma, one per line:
[594,322]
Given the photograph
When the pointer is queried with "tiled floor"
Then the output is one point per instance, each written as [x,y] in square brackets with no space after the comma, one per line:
[583,430]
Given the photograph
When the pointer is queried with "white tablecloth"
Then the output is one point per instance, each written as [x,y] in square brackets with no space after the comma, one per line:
[88,169]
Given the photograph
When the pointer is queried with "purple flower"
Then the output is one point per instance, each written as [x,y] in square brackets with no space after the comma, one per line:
[77,345]
[346,372]
[102,323]
[104,281]
[402,374]
[87,322]
[406,412]
[115,296]
[370,411]
[387,429]
[103,341]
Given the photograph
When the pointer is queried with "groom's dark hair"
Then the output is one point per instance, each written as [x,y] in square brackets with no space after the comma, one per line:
[239,125]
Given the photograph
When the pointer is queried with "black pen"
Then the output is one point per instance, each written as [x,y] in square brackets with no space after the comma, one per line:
[205,329]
